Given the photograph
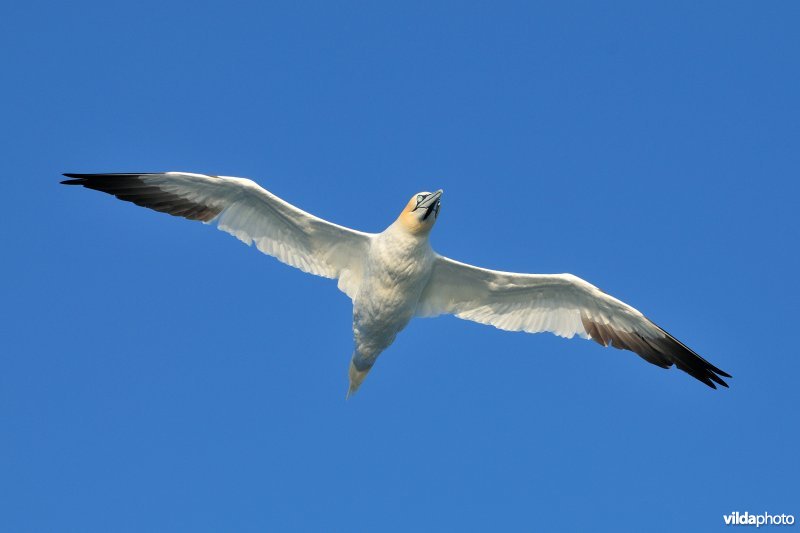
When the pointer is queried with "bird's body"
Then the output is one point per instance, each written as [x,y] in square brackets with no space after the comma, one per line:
[398,268]
[395,275]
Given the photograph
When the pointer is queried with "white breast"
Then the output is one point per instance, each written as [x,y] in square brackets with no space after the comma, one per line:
[398,269]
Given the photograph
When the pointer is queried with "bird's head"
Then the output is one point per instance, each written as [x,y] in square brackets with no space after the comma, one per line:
[421,212]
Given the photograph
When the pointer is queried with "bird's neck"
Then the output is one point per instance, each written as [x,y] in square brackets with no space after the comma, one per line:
[404,238]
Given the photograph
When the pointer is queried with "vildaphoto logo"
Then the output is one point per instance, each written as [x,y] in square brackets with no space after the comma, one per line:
[746,519]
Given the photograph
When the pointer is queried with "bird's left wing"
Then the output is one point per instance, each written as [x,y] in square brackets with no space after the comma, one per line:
[562,304]
[252,214]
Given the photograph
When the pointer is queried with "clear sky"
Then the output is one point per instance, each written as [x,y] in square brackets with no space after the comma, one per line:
[156,374]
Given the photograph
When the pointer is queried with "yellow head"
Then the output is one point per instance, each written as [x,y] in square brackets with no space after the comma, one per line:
[421,212]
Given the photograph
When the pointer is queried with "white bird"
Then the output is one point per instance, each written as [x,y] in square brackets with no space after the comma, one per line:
[395,275]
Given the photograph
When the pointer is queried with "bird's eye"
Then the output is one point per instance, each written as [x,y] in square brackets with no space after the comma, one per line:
[420,197]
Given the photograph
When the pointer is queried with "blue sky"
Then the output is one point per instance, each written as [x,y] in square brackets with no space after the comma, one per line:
[158,375]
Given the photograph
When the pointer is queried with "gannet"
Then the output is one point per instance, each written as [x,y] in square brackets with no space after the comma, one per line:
[395,275]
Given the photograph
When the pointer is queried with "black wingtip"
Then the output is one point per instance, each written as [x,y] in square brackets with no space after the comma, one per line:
[76,179]
[141,190]
[715,378]
[690,362]
[106,174]
[721,372]
[83,179]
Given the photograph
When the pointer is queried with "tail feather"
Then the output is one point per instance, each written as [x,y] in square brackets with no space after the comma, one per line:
[356,378]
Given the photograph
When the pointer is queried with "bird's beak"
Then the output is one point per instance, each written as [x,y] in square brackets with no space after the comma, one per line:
[431,204]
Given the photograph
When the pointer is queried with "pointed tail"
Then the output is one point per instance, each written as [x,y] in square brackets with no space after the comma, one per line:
[356,378]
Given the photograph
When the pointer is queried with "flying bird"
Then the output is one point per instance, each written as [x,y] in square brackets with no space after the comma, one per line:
[395,275]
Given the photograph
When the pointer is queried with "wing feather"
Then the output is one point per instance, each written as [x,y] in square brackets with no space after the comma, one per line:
[250,213]
[562,304]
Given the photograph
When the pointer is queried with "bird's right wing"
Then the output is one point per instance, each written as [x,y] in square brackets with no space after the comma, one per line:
[562,304]
[252,214]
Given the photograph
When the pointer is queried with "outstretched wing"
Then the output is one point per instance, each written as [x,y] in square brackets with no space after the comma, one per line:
[248,212]
[562,304]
